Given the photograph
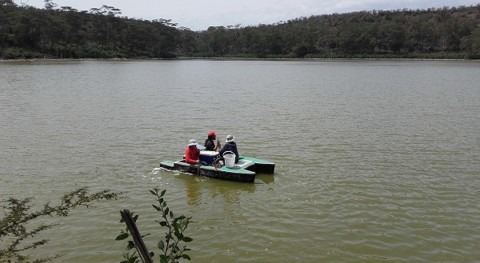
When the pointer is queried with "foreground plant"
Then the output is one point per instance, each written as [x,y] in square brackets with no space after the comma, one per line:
[18,228]
[172,248]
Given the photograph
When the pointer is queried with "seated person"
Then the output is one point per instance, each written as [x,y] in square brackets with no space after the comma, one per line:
[230,146]
[192,153]
[210,142]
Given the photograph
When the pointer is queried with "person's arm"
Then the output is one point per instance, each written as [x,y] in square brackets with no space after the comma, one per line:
[218,146]
[237,155]
[222,150]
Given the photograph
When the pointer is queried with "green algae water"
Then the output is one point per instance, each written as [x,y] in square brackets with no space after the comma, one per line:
[376,161]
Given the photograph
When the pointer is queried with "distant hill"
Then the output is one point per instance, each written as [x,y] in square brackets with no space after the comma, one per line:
[449,32]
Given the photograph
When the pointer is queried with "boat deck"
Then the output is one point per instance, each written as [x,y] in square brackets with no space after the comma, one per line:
[238,168]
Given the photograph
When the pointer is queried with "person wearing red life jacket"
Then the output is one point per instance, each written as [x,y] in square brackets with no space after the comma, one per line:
[192,153]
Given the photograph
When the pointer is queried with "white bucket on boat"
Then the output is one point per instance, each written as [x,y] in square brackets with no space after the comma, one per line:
[229,159]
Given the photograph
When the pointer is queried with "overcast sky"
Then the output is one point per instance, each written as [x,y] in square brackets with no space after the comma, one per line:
[200,14]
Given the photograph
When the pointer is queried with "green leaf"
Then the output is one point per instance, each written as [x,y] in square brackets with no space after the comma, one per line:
[166,211]
[187,239]
[163,192]
[130,245]
[161,245]
[163,223]
[156,207]
[153,192]
[185,256]
[122,236]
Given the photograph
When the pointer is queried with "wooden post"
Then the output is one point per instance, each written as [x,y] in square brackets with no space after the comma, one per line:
[137,238]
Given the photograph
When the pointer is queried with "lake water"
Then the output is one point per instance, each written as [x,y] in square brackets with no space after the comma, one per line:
[376,161]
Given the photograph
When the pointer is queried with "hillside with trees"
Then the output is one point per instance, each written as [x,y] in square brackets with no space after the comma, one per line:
[67,33]
[64,32]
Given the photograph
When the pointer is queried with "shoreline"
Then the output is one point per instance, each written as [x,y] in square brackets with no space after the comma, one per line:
[232,59]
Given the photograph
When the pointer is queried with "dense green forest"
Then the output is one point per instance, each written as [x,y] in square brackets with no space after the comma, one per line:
[64,32]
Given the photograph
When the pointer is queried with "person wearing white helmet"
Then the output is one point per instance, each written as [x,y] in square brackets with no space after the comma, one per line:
[192,153]
[230,146]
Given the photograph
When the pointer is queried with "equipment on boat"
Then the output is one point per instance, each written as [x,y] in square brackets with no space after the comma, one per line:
[208,157]
[229,158]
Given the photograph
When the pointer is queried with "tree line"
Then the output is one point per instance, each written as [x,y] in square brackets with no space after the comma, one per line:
[68,33]
[64,32]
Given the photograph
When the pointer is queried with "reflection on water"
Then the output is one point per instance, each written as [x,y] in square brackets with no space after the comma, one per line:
[265,178]
[201,189]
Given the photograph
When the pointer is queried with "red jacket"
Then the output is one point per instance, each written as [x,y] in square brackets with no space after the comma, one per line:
[192,154]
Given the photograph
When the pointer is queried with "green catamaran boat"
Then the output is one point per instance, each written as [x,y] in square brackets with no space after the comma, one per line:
[242,171]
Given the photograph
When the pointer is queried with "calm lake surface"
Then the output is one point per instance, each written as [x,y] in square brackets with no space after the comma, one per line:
[376,161]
